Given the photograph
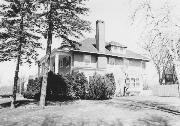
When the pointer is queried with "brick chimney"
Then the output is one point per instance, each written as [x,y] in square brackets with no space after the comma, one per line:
[100,36]
[100,44]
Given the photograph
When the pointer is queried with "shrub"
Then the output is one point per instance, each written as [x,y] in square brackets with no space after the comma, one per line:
[73,86]
[64,87]
[80,85]
[111,85]
[33,89]
[55,87]
[101,87]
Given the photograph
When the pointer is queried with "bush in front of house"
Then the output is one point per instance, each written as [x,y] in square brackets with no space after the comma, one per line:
[66,87]
[33,89]
[73,86]
[101,87]
[55,87]
[76,85]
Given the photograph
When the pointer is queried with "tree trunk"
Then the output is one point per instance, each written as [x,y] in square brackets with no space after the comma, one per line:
[15,81]
[160,78]
[47,63]
[17,66]
[177,69]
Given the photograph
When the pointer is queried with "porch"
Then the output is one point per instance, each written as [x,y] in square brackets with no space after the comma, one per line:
[60,63]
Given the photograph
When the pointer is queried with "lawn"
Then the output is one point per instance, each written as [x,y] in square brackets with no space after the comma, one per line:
[114,112]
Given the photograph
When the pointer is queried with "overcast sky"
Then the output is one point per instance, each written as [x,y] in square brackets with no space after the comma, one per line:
[118,25]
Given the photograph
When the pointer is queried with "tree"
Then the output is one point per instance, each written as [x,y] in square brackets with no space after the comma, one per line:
[160,57]
[63,19]
[17,37]
[162,30]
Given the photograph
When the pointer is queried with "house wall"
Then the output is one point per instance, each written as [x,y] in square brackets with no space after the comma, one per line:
[117,66]
[135,73]
[84,61]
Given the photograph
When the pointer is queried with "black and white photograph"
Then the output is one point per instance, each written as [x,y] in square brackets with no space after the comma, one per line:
[89,62]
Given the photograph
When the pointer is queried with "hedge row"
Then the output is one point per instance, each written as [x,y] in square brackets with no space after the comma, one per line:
[73,86]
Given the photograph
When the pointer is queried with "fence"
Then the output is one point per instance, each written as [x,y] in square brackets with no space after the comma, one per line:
[165,90]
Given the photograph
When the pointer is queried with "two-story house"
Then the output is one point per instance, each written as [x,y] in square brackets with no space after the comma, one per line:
[96,55]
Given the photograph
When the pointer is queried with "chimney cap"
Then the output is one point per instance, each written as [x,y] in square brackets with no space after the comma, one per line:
[99,21]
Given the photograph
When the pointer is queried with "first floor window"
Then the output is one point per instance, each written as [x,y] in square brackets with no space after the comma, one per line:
[132,82]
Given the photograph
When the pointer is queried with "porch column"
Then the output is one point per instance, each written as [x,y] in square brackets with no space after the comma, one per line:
[57,63]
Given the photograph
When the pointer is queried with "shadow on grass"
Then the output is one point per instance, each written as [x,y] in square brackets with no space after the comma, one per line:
[59,102]
[50,121]
[152,121]
[60,121]
[18,103]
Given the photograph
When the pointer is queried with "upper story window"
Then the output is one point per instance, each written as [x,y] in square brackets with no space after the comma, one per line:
[135,63]
[87,59]
[126,62]
[143,65]
[119,61]
[60,63]
[65,62]
[117,49]
[111,61]
[53,67]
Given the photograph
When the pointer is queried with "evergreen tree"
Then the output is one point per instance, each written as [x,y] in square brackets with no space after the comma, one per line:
[63,19]
[17,35]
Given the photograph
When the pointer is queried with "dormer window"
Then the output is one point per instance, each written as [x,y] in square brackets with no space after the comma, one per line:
[116,47]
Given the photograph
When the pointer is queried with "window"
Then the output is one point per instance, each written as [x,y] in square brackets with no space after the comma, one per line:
[126,62]
[135,63]
[53,67]
[143,65]
[118,61]
[133,82]
[137,83]
[87,59]
[121,50]
[60,63]
[111,61]
[66,61]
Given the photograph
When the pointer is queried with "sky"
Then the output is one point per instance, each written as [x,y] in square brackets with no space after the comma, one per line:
[118,27]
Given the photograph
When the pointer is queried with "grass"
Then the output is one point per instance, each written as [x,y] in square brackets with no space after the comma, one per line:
[112,112]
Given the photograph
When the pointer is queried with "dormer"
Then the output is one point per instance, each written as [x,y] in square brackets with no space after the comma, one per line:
[116,47]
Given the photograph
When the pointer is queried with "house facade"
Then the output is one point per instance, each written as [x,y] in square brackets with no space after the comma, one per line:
[96,55]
